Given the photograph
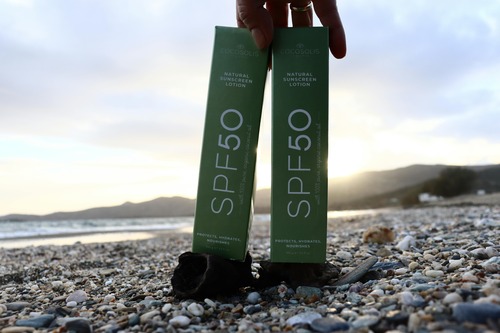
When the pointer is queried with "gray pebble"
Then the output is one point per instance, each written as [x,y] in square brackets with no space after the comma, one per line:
[303,318]
[36,322]
[476,313]
[17,306]
[179,321]
[329,324]
[306,292]
[78,296]
[253,297]
[251,309]
[364,321]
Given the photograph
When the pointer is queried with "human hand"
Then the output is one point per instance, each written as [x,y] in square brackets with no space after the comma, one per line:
[261,21]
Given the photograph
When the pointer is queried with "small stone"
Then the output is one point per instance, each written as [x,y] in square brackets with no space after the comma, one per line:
[36,322]
[71,304]
[344,255]
[210,303]
[492,265]
[78,296]
[364,321]
[479,253]
[17,329]
[476,313]
[179,321]
[491,251]
[384,252]
[401,271]
[307,292]
[413,265]
[134,319]
[414,322]
[253,297]
[407,298]
[377,292]
[148,316]
[452,298]
[455,264]
[17,306]
[78,326]
[109,298]
[469,277]
[251,309]
[434,273]
[3,308]
[196,309]
[329,324]
[406,243]
[303,318]
[166,308]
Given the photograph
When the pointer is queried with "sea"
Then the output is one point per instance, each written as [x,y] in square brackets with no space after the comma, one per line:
[25,233]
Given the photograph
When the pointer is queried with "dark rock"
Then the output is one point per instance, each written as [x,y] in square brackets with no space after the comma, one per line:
[201,275]
[296,274]
[36,322]
[78,326]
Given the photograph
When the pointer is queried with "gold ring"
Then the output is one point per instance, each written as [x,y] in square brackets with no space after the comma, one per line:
[301,9]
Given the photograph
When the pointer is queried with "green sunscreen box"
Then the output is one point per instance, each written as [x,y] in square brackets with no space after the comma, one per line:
[299,145]
[224,205]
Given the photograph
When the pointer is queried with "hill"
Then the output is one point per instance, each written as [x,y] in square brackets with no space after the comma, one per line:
[160,207]
[365,190]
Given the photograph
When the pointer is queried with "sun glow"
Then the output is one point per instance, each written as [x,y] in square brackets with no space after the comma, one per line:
[345,158]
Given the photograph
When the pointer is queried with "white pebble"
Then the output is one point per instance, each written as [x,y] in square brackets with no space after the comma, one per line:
[455,264]
[179,321]
[434,273]
[196,309]
[406,243]
[210,303]
[401,271]
[377,292]
[452,298]
[3,308]
[491,251]
[71,304]
[166,308]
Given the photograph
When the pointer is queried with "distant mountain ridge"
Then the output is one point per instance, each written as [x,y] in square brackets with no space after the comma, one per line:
[159,207]
[353,192]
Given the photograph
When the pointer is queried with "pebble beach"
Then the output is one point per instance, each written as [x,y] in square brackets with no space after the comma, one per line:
[438,270]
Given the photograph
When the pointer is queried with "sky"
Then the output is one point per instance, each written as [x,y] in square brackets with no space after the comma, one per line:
[103,102]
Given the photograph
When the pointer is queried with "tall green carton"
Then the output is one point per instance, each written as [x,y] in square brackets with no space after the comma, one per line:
[299,145]
[224,204]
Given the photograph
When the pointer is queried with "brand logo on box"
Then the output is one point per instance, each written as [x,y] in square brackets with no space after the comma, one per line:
[240,50]
[300,50]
